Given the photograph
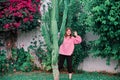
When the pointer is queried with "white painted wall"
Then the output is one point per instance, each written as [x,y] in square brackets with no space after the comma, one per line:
[26,38]
[92,64]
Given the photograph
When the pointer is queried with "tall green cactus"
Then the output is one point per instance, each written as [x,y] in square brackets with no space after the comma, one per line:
[50,31]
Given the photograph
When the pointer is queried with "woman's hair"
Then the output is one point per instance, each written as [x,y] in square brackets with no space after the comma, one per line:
[68,28]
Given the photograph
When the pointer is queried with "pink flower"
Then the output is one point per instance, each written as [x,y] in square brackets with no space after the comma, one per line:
[32,9]
[1,15]
[2,12]
[10,9]
[19,14]
[26,11]
[29,1]
[10,24]
[6,26]
[16,24]
[25,19]
[37,0]
[5,10]
[28,4]
[38,7]
[14,1]
[31,18]
[34,5]
[20,6]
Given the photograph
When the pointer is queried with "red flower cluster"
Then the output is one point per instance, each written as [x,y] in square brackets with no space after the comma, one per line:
[22,9]
[15,24]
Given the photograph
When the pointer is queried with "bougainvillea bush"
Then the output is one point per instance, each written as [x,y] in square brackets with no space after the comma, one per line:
[19,14]
[22,15]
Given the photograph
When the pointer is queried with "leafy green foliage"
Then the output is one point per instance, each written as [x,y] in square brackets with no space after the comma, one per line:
[42,53]
[24,56]
[21,61]
[106,24]
[2,61]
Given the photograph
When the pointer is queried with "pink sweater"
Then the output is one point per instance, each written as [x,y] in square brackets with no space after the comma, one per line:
[67,46]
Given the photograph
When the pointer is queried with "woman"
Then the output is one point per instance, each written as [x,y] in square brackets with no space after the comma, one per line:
[67,48]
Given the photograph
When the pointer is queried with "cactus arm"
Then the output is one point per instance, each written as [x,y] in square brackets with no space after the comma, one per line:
[60,2]
[54,32]
[62,29]
[46,34]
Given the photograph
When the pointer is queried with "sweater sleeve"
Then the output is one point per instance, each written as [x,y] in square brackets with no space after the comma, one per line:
[77,40]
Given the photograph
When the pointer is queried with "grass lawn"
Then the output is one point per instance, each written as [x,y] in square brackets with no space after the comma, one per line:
[63,76]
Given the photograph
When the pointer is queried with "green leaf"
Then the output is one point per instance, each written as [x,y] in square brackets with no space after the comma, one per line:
[107,2]
[104,22]
[116,23]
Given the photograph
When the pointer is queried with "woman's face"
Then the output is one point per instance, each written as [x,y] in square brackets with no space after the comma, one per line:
[68,32]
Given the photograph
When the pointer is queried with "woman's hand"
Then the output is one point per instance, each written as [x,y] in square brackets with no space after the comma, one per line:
[75,33]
